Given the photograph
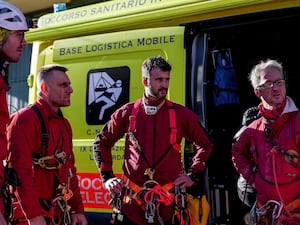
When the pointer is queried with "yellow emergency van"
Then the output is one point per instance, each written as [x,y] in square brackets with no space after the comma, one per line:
[103,45]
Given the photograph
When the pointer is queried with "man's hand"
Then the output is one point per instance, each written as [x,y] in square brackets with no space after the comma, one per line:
[79,219]
[183,181]
[39,220]
[114,185]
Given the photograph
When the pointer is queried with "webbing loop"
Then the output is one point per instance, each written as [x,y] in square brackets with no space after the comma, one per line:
[59,159]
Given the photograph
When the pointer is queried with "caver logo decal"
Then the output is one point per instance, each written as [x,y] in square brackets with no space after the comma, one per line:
[107,90]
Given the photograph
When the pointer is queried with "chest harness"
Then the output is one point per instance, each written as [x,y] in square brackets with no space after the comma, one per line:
[56,210]
[149,172]
[151,194]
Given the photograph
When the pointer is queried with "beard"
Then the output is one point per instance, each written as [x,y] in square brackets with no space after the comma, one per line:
[160,93]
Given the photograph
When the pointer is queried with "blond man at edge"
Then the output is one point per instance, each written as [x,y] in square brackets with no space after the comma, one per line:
[267,153]
[12,27]
[40,180]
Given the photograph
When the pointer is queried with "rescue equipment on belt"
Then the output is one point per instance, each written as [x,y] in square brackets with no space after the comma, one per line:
[149,196]
[57,210]
[274,212]
[182,213]
[8,191]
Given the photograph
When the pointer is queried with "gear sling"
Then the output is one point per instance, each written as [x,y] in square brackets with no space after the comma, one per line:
[57,210]
[151,192]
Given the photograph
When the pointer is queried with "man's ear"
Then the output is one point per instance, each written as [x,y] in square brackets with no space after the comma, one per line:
[257,92]
[146,81]
[43,87]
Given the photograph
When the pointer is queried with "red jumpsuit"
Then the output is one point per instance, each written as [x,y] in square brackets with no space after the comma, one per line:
[272,168]
[152,133]
[24,139]
[4,118]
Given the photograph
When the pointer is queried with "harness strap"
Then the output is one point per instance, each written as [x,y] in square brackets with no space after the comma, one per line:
[172,119]
[173,126]
[132,117]
[131,185]
[44,133]
[59,159]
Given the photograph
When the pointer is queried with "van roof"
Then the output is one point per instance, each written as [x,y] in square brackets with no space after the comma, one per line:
[118,15]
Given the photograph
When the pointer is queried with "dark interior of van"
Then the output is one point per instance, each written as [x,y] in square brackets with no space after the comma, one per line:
[248,40]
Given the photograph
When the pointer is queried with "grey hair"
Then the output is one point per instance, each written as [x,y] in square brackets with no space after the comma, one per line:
[254,76]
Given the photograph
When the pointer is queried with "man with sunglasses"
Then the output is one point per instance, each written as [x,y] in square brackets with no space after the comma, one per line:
[12,27]
[267,154]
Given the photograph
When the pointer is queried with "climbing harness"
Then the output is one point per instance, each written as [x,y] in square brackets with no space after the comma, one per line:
[116,205]
[149,196]
[57,210]
[149,172]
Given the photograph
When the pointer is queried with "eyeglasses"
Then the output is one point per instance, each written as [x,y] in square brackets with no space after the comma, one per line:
[270,84]
[19,34]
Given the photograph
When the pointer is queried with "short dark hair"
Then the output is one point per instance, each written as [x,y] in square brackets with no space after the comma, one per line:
[46,70]
[155,62]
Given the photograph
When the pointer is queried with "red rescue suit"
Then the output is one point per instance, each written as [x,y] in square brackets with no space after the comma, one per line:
[152,133]
[24,134]
[4,118]
[264,166]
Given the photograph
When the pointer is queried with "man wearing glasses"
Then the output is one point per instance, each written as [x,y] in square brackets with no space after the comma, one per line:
[267,154]
[12,27]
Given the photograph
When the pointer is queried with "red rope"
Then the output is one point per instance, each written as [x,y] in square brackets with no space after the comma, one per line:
[165,197]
